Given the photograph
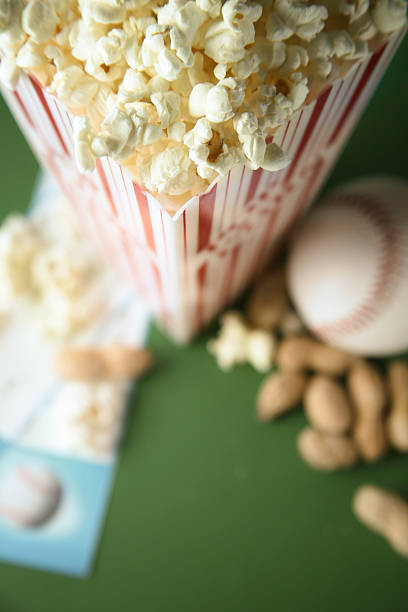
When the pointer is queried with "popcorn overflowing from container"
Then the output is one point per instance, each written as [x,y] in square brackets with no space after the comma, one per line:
[182,92]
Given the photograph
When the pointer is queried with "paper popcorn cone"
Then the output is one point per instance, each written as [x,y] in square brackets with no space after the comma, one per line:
[190,266]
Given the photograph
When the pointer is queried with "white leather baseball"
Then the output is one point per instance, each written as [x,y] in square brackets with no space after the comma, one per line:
[29,495]
[348,267]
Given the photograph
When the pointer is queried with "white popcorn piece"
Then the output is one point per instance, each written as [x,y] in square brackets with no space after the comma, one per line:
[197,102]
[11,40]
[186,17]
[176,131]
[73,86]
[389,15]
[247,66]
[298,93]
[152,44]
[245,123]
[237,13]
[30,55]
[83,38]
[9,73]
[229,348]
[169,171]
[275,159]
[5,14]
[167,65]
[212,7]
[218,105]
[157,85]
[296,57]
[167,106]
[304,20]
[260,349]
[224,45]
[39,20]
[103,11]
[254,148]
[82,144]
[133,87]
[237,344]
[220,71]
[110,48]
[353,10]
[363,28]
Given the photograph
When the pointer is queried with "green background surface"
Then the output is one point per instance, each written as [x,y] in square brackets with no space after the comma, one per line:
[212,510]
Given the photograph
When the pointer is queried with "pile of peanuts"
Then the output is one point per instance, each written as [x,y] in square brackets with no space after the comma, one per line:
[355,411]
[345,397]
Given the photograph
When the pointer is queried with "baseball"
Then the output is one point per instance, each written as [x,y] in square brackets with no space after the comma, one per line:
[348,267]
[30,494]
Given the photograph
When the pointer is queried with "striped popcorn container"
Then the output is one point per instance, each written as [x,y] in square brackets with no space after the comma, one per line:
[190,266]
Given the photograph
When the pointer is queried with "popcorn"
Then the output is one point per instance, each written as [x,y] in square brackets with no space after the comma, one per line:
[295,18]
[62,269]
[176,131]
[169,171]
[236,344]
[167,106]
[5,13]
[82,144]
[133,87]
[229,348]
[389,15]
[19,244]
[62,316]
[39,20]
[30,55]
[254,148]
[103,11]
[197,102]
[90,416]
[140,73]
[260,349]
[218,105]
[275,159]
[110,48]
[168,65]
[9,73]
[245,124]
[74,87]
[212,7]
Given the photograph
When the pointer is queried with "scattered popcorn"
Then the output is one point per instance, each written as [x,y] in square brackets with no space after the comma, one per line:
[90,416]
[236,343]
[62,316]
[142,72]
[260,349]
[63,269]
[19,245]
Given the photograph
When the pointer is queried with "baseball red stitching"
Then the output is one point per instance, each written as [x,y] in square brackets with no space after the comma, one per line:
[390,263]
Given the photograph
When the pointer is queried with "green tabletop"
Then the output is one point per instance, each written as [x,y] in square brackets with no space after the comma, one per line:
[212,511]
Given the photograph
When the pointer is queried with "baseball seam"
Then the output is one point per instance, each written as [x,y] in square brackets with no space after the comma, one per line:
[384,285]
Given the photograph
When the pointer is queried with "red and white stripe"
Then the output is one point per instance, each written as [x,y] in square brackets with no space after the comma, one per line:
[189,266]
